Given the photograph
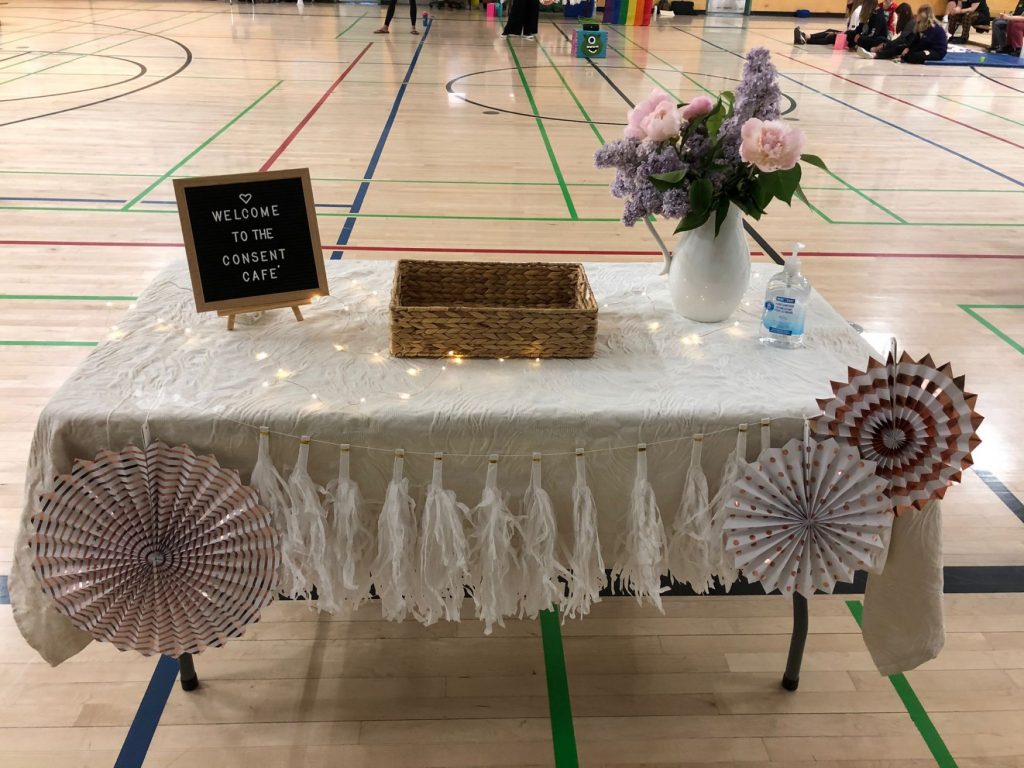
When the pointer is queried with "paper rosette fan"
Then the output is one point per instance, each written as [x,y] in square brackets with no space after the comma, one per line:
[156,550]
[806,516]
[914,420]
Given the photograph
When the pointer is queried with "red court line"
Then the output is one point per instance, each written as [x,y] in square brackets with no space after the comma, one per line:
[309,115]
[904,101]
[527,251]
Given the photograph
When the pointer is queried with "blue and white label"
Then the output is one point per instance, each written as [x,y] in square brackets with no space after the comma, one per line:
[783,316]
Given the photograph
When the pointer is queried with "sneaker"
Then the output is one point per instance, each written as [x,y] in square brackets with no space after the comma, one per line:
[864,53]
[503,36]
[530,37]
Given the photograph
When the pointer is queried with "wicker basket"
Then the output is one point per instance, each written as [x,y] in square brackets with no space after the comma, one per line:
[481,309]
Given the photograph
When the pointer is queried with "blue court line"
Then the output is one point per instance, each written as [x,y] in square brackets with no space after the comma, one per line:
[936,144]
[1005,495]
[364,187]
[5,595]
[147,717]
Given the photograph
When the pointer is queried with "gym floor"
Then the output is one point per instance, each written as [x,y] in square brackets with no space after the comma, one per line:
[455,144]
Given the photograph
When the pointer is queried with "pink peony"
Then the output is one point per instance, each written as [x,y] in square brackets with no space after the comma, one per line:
[771,145]
[699,106]
[641,111]
[663,123]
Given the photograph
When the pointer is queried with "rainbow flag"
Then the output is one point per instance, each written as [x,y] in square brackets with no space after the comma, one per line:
[632,13]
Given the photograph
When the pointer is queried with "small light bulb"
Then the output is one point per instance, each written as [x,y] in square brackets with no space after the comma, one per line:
[266,383]
[281,373]
[404,395]
[444,367]
[339,347]
[110,303]
[737,322]
[188,331]
[653,326]
[457,360]
[536,359]
[262,355]
[501,359]
[413,371]
[131,306]
[362,399]
[314,397]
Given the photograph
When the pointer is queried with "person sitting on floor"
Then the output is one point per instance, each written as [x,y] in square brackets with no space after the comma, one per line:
[1015,35]
[1000,25]
[964,14]
[889,6]
[867,23]
[905,35]
[929,42]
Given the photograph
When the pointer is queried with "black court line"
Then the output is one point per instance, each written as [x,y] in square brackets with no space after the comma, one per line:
[997,82]
[761,241]
[1005,495]
[175,73]
[142,71]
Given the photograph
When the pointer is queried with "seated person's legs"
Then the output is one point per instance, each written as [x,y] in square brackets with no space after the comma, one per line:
[999,34]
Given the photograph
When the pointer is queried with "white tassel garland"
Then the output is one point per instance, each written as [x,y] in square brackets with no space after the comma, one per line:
[541,588]
[443,553]
[640,559]
[493,563]
[350,539]
[394,570]
[689,556]
[586,566]
[724,567]
[307,534]
[273,493]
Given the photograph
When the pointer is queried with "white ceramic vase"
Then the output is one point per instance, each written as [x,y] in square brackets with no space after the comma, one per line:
[708,275]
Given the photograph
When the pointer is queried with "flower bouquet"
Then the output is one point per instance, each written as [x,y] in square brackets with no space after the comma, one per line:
[709,158]
[690,161]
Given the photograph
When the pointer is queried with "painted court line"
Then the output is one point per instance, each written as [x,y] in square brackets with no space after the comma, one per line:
[563,736]
[913,705]
[970,310]
[147,716]
[316,107]
[60,297]
[1008,497]
[378,150]
[160,180]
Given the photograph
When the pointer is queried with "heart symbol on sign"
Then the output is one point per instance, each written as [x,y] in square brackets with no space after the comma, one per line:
[245,197]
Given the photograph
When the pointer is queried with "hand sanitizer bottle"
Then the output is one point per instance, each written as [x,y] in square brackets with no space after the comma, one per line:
[785,305]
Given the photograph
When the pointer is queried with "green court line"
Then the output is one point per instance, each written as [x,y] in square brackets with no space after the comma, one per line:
[19,343]
[543,133]
[979,109]
[563,736]
[913,705]
[60,297]
[969,309]
[572,93]
[346,29]
[641,70]
[200,148]
[656,56]
[875,203]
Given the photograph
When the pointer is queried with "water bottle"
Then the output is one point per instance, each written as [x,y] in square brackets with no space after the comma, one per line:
[785,305]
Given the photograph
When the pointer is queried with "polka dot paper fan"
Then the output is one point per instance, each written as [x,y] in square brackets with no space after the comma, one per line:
[915,420]
[156,550]
[807,515]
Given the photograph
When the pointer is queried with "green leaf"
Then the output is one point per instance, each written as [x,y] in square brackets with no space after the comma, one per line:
[787,181]
[798,193]
[766,187]
[816,161]
[715,119]
[701,194]
[692,220]
[666,181]
[720,213]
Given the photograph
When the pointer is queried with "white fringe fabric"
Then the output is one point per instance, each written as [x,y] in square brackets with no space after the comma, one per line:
[494,566]
[350,540]
[306,537]
[273,493]
[721,562]
[541,589]
[586,566]
[640,559]
[394,570]
[443,553]
[689,556]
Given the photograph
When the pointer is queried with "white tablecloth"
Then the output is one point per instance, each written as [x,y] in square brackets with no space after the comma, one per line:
[655,377]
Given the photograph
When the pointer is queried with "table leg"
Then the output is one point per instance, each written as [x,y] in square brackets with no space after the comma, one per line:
[791,680]
[189,680]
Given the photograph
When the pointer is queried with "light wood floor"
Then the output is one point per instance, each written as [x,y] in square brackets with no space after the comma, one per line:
[98,112]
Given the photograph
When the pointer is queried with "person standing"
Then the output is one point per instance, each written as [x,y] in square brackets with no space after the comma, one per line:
[391,14]
[523,18]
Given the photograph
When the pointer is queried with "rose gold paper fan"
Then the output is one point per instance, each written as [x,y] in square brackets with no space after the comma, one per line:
[156,550]
[914,420]
[807,515]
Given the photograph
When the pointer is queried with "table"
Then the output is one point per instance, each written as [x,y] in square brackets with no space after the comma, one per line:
[656,379]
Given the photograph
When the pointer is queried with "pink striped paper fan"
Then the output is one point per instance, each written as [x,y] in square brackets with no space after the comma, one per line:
[155,550]
[915,420]
[807,515]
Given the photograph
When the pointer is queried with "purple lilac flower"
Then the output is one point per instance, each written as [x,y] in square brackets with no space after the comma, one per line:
[756,96]
[635,162]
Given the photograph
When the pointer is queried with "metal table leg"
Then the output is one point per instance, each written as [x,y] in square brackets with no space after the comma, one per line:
[791,680]
[189,680]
